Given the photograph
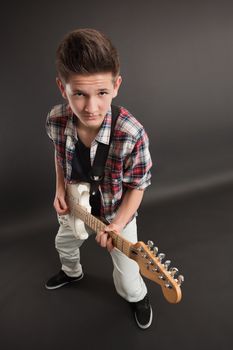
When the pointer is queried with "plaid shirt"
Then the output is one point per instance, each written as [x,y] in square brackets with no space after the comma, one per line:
[128,163]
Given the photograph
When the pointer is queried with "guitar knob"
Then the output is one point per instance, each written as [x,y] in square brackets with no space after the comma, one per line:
[167,264]
[180,279]
[150,244]
[173,271]
[161,256]
[155,250]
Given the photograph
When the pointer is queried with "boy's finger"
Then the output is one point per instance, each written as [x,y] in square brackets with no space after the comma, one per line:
[99,234]
[63,204]
[109,244]
[103,240]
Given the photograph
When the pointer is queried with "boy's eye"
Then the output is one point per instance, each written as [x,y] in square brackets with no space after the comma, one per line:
[102,93]
[78,94]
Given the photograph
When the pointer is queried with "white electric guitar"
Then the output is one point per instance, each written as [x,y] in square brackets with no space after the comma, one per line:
[149,260]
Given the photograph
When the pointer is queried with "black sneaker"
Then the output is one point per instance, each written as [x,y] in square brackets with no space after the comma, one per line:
[61,279]
[143,313]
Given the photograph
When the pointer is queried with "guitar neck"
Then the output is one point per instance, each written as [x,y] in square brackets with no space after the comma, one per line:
[97,225]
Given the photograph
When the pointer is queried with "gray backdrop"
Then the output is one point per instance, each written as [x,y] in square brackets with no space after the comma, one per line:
[176,60]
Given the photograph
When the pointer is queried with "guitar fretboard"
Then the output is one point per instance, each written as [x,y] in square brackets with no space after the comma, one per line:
[97,225]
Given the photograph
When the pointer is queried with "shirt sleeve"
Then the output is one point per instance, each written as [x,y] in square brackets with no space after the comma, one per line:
[137,164]
[52,130]
[48,126]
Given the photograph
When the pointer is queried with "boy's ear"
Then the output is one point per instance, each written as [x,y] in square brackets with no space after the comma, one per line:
[117,85]
[61,87]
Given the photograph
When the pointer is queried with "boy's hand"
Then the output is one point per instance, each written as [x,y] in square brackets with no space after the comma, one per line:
[60,204]
[104,240]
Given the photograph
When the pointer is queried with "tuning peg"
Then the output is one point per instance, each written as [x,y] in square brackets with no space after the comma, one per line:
[155,269]
[150,244]
[161,256]
[161,277]
[180,279]
[173,271]
[155,250]
[140,249]
[167,264]
[168,285]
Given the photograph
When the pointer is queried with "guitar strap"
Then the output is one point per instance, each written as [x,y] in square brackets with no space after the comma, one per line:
[97,171]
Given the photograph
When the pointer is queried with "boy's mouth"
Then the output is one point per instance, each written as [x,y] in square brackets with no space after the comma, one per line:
[93,116]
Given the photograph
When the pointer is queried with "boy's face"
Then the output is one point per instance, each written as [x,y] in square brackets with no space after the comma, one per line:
[90,96]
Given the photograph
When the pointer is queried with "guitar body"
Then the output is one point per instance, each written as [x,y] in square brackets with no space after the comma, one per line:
[78,194]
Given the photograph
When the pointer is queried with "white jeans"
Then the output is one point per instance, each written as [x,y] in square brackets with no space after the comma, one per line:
[127,279]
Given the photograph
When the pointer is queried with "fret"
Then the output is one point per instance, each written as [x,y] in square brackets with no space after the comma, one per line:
[92,223]
[95,223]
[117,245]
[128,248]
[98,226]
[121,243]
[125,248]
[114,238]
[88,220]
[117,242]
[84,215]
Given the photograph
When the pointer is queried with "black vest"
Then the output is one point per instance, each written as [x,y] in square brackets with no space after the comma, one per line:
[83,171]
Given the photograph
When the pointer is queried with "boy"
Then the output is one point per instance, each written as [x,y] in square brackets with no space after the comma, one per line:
[88,76]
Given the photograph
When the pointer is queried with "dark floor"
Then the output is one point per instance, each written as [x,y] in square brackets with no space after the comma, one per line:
[195,232]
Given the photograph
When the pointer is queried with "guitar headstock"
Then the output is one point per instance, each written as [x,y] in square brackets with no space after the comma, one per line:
[152,267]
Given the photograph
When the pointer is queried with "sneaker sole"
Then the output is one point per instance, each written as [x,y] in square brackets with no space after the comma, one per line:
[63,284]
[145,326]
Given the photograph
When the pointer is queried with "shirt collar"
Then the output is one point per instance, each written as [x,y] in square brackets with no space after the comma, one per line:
[70,129]
[104,133]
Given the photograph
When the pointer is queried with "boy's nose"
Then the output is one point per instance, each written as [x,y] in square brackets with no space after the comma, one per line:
[91,106]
